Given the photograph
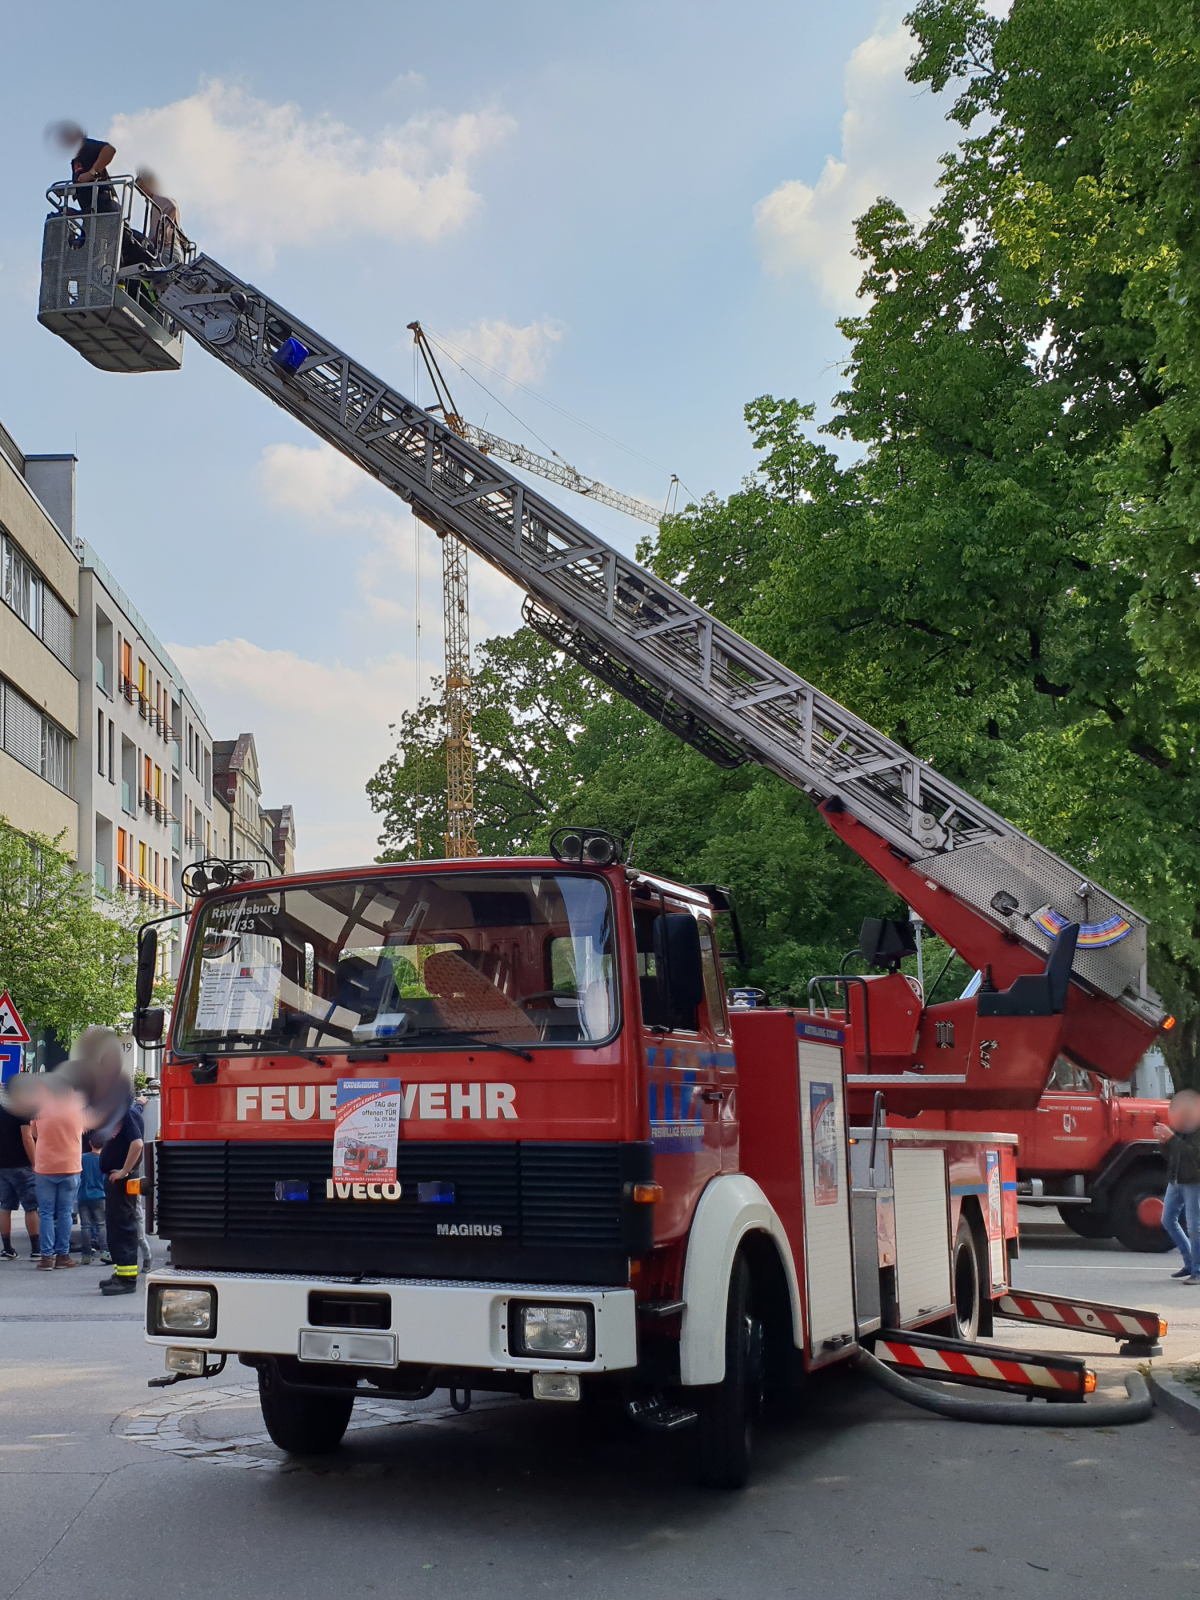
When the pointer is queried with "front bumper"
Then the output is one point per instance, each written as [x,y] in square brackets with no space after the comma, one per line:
[437,1323]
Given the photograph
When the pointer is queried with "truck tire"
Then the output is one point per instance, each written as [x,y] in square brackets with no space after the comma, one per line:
[729,1409]
[1089,1222]
[302,1424]
[1136,1207]
[965,1280]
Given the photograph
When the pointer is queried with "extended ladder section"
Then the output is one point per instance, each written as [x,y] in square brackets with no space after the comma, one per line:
[690,672]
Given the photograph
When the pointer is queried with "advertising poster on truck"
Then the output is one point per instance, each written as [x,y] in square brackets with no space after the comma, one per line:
[824,1143]
[366,1130]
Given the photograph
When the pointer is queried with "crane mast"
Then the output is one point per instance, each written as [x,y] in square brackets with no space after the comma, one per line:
[459,837]
[995,894]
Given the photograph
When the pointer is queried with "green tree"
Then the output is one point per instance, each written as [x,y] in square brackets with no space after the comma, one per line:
[64,963]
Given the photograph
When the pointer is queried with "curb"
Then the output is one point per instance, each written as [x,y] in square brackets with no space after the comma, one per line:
[1178,1400]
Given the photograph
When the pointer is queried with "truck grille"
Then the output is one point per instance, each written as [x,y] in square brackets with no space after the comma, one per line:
[533,1195]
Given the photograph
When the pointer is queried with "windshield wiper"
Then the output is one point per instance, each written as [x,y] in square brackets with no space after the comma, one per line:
[459,1036]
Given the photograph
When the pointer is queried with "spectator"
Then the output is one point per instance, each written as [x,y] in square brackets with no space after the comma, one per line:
[16,1177]
[57,1162]
[92,1195]
[120,1160]
[1181,1134]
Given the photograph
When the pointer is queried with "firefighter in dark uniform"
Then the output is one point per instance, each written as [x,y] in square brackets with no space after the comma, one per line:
[121,1160]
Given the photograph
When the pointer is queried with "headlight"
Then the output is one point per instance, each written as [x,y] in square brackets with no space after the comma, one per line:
[564,1332]
[184,1311]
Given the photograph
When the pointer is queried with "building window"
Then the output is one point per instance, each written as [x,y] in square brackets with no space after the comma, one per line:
[112,775]
[37,605]
[33,740]
[100,743]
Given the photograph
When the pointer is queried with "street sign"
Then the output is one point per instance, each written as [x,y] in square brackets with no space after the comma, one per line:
[10,1061]
[12,1029]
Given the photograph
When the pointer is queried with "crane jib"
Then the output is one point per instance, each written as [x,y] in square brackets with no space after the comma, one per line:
[698,677]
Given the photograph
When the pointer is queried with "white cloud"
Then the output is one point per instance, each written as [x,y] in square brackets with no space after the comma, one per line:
[256,176]
[321,730]
[892,135]
[518,354]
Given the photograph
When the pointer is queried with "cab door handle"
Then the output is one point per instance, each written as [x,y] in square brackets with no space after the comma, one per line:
[713,1096]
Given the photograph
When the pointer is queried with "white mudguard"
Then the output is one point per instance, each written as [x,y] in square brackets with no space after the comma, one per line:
[731,1207]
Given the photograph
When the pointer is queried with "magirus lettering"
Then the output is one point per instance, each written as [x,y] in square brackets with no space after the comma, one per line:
[470,1230]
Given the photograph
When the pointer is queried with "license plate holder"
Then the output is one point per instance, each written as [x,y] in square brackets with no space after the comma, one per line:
[348,1348]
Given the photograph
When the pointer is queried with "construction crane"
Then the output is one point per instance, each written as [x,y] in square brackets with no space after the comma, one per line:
[456,605]
[996,895]
[456,611]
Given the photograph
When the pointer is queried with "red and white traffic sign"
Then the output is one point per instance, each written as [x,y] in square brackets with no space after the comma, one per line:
[12,1029]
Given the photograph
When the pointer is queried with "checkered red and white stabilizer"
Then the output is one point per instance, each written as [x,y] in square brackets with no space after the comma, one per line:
[989,1367]
[1085,1316]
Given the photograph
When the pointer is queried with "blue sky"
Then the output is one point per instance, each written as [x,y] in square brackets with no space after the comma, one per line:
[640,214]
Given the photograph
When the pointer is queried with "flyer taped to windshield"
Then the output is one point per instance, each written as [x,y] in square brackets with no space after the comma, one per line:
[367,1130]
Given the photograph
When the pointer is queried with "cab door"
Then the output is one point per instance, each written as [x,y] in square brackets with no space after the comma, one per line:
[684,1090]
[1067,1130]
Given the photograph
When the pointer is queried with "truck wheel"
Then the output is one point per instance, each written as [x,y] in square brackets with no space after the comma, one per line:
[729,1409]
[300,1423]
[1089,1222]
[964,1319]
[1136,1210]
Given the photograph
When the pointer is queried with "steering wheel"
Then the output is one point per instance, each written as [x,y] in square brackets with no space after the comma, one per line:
[547,994]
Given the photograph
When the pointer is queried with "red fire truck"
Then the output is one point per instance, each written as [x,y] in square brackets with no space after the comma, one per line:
[1088,1152]
[603,1180]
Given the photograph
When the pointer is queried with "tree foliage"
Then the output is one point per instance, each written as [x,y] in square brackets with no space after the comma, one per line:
[64,963]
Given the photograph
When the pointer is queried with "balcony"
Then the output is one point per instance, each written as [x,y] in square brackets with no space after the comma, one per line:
[127,801]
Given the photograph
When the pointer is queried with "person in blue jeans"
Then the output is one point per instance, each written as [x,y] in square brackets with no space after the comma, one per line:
[93,1240]
[1181,1135]
[57,1162]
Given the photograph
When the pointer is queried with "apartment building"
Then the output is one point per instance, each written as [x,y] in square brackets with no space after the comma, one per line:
[39,583]
[144,759]
[102,742]
[249,832]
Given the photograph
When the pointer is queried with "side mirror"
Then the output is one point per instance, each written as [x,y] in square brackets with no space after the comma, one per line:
[678,965]
[148,1025]
[147,966]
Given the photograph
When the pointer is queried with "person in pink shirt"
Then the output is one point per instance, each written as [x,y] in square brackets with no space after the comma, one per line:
[57,1162]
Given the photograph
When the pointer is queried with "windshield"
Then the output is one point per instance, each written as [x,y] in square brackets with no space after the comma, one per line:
[414,962]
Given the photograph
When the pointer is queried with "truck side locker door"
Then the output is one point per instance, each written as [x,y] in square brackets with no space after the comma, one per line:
[922,1193]
[828,1261]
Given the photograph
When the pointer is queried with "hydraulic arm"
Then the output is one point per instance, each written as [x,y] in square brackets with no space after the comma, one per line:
[990,890]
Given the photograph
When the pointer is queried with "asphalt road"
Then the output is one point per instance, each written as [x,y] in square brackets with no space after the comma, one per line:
[112,1489]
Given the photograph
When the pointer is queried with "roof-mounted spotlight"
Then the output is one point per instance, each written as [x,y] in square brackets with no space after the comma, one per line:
[586,847]
[212,873]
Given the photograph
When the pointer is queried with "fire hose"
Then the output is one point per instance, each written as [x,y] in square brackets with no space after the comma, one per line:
[1019,1413]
